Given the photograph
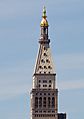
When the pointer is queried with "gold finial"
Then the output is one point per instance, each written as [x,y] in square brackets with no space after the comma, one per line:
[44,12]
[44,21]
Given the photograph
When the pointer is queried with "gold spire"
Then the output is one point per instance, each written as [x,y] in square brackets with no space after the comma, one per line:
[44,21]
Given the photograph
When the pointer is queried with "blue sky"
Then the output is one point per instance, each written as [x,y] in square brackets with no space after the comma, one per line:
[19,34]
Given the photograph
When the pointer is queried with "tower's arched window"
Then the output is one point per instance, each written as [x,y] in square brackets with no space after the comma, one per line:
[53,102]
[49,100]
[41,31]
[44,30]
[36,102]
[40,102]
[44,102]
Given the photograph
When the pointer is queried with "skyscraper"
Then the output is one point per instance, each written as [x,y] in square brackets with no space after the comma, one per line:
[44,94]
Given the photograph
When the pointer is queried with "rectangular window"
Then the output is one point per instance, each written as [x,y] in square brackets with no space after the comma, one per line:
[44,81]
[44,85]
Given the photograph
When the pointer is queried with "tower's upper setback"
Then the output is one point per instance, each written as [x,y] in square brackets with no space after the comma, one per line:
[44,63]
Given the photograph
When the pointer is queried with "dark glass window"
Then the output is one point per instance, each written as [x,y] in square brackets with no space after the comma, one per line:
[36,111]
[44,85]
[45,67]
[44,30]
[53,94]
[44,111]
[53,102]
[53,111]
[44,93]
[42,61]
[49,81]
[44,81]
[49,111]
[49,67]
[40,67]
[40,102]
[47,61]
[49,85]
[36,102]
[49,100]
[44,102]
[45,54]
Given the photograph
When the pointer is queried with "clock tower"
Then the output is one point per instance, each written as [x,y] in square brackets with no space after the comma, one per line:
[44,94]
